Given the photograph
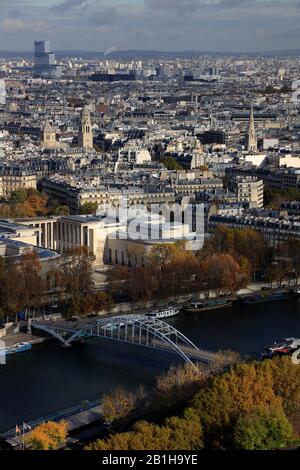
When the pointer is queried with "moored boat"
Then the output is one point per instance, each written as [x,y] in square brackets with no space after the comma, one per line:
[16,348]
[203,306]
[285,347]
[296,291]
[258,298]
[164,313]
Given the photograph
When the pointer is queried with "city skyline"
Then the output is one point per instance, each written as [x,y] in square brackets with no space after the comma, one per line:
[167,25]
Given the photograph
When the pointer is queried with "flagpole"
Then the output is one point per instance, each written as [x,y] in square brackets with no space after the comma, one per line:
[23,439]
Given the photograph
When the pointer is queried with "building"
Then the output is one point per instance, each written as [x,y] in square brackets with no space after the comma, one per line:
[214,136]
[76,196]
[107,237]
[44,61]
[2,92]
[18,238]
[251,191]
[190,188]
[129,157]
[13,178]
[251,136]
[86,134]
[276,229]
[48,137]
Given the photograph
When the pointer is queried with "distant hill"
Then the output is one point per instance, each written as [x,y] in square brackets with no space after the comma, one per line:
[152,54]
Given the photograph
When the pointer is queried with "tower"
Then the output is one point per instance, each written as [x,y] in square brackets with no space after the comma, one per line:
[44,61]
[48,135]
[252,140]
[86,135]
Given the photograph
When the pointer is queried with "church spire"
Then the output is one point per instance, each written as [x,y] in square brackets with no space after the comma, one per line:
[252,141]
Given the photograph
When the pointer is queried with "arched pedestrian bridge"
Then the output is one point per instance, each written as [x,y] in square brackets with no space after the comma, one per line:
[135,329]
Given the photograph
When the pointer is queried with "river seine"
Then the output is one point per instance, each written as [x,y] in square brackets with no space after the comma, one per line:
[49,378]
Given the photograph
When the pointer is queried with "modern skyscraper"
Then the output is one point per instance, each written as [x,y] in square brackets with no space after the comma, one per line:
[44,61]
[252,140]
[86,135]
[2,92]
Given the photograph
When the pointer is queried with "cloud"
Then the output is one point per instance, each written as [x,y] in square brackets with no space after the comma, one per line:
[67,5]
[236,3]
[11,25]
[105,17]
[179,7]
[15,25]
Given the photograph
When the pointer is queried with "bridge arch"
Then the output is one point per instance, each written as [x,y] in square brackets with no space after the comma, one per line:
[135,329]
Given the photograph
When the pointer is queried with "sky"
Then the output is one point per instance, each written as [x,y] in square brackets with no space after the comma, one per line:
[166,25]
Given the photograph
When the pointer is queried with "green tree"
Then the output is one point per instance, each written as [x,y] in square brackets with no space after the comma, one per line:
[263,430]
[171,163]
[88,208]
[18,196]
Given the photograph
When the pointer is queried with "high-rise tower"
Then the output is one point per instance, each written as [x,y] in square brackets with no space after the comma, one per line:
[44,61]
[86,135]
[252,140]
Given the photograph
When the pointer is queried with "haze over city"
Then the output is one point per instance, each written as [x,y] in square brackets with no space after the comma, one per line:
[167,25]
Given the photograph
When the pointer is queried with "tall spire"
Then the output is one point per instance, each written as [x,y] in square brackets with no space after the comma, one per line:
[252,141]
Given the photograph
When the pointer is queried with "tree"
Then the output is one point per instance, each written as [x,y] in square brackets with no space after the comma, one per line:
[177,385]
[48,436]
[12,289]
[117,405]
[88,208]
[142,284]
[171,163]
[263,430]
[25,203]
[18,196]
[244,243]
[223,273]
[161,254]
[60,210]
[33,284]
[76,270]
[286,379]
[230,394]
[176,434]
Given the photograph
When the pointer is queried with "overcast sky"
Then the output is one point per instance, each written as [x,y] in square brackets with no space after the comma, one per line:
[168,25]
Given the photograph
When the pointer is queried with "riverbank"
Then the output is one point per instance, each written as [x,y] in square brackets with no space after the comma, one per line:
[11,338]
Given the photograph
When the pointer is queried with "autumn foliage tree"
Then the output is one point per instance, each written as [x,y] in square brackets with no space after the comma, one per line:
[47,436]
[244,243]
[176,434]
[250,405]
[171,270]
[177,385]
[118,404]
[25,203]
[21,283]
